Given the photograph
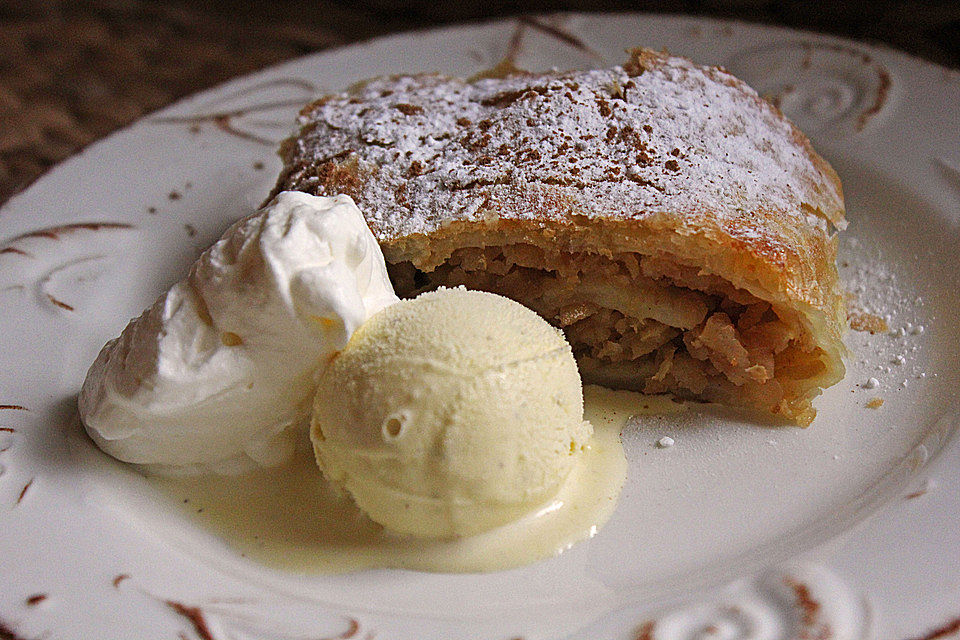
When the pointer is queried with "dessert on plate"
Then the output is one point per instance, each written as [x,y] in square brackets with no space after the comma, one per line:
[457,415]
[219,373]
[450,414]
[675,225]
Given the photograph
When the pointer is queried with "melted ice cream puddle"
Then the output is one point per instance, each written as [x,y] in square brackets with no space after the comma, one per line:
[291,519]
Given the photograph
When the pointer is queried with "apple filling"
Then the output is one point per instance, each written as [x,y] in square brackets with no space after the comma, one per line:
[647,322]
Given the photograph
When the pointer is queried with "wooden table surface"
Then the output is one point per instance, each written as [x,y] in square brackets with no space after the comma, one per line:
[73,71]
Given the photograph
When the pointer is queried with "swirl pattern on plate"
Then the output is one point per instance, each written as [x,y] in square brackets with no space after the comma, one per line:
[259,113]
[795,602]
[241,619]
[824,89]
[57,263]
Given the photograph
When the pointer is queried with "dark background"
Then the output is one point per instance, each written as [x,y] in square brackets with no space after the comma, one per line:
[71,72]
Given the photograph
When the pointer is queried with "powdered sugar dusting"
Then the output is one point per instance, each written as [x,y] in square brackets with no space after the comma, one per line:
[891,360]
[660,134]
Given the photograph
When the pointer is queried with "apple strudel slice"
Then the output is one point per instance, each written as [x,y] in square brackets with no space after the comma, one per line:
[676,226]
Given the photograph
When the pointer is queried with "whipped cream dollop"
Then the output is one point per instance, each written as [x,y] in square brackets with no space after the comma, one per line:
[220,372]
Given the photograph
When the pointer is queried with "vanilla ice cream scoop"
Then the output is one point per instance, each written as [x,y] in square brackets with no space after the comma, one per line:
[217,372]
[450,414]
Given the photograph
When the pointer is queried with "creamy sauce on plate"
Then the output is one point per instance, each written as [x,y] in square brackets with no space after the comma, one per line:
[290,518]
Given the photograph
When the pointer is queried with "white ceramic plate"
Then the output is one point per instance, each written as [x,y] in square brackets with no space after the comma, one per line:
[848,529]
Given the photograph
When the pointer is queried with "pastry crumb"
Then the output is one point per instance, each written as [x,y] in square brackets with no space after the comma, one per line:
[874,403]
[861,321]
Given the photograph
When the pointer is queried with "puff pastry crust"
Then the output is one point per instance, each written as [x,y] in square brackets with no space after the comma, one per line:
[675,224]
